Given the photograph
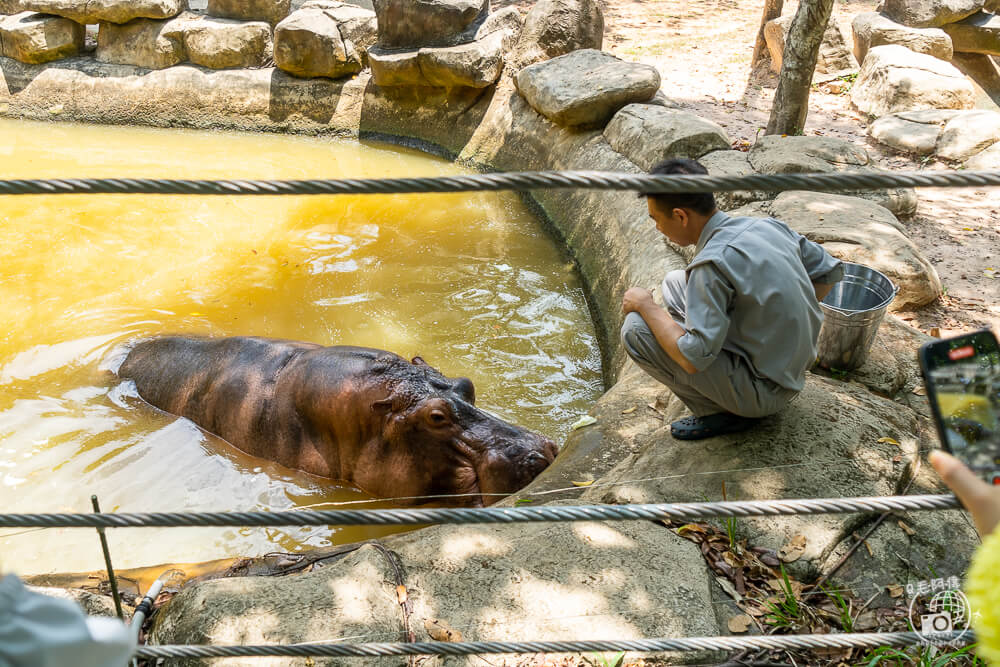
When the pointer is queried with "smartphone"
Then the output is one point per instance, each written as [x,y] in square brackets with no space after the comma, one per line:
[962,378]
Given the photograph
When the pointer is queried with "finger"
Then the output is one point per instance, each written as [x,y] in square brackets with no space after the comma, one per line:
[972,491]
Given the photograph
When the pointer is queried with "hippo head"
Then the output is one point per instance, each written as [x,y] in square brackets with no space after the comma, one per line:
[453,447]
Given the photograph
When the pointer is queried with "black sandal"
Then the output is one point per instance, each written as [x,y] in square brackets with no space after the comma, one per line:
[721,423]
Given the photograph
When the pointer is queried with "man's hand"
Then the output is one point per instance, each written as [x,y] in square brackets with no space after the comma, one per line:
[636,300]
[822,289]
[981,499]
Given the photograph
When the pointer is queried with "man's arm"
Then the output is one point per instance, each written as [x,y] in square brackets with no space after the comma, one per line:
[824,270]
[664,329]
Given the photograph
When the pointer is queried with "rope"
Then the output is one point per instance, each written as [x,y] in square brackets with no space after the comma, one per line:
[770,642]
[597,180]
[468,515]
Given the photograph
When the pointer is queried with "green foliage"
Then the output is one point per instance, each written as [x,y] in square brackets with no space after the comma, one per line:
[785,613]
[843,607]
[602,661]
[923,656]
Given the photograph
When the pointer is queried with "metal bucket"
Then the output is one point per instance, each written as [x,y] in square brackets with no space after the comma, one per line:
[852,312]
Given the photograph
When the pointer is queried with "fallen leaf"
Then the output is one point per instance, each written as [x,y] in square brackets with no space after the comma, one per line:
[523,501]
[57,109]
[895,590]
[585,420]
[587,482]
[440,631]
[990,273]
[936,332]
[906,529]
[792,551]
[919,391]
[401,594]
[897,458]
[628,411]
[739,623]
[729,588]
[891,441]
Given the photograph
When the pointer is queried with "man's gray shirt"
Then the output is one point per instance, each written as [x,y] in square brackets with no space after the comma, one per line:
[750,292]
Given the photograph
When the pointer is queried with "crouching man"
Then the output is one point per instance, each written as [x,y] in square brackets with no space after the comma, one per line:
[741,322]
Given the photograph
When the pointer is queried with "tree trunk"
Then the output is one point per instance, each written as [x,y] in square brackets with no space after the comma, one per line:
[772,10]
[791,100]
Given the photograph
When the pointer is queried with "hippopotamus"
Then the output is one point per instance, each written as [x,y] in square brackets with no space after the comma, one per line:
[391,427]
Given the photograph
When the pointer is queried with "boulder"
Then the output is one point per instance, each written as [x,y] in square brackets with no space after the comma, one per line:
[929,13]
[332,42]
[507,20]
[823,445]
[554,28]
[270,11]
[551,581]
[872,29]
[409,24]
[861,231]
[147,43]
[732,163]
[37,38]
[396,68]
[893,78]
[979,33]
[773,154]
[968,133]
[647,134]
[474,65]
[91,604]
[113,11]
[833,53]
[223,43]
[985,160]
[984,70]
[911,131]
[585,88]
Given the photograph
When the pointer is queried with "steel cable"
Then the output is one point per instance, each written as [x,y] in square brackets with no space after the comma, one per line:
[770,642]
[598,180]
[470,515]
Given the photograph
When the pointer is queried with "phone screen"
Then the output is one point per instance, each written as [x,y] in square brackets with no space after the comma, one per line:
[963,378]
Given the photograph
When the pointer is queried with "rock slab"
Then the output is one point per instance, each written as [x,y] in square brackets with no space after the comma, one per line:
[911,131]
[647,134]
[833,53]
[330,42]
[585,88]
[146,43]
[967,134]
[37,38]
[410,24]
[872,29]
[225,44]
[929,13]
[979,33]
[113,11]
[894,78]
[270,11]
[554,28]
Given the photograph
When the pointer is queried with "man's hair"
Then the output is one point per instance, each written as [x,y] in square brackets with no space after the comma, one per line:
[699,202]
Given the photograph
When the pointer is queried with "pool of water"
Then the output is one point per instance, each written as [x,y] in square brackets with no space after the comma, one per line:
[470,282]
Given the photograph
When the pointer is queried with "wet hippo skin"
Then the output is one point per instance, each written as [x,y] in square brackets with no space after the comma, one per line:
[391,427]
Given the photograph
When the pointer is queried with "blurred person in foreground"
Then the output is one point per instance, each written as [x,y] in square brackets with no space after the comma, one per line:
[982,585]
[38,630]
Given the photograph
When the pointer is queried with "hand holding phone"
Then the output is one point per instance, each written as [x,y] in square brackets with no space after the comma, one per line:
[981,499]
[962,377]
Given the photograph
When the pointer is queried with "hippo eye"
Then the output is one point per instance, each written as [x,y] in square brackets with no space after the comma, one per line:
[437,418]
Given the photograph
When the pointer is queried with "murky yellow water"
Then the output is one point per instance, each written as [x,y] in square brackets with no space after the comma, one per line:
[470,282]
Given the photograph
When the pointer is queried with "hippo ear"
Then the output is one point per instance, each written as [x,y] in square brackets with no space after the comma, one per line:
[382,407]
[418,361]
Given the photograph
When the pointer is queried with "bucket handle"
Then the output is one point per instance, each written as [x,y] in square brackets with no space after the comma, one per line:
[852,313]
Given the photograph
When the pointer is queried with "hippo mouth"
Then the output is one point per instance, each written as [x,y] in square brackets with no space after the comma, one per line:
[506,470]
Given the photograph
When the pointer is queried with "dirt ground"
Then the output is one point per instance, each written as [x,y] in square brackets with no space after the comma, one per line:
[702,49]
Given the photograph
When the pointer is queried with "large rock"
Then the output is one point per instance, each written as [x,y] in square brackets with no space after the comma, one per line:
[979,33]
[147,43]
[552,581]
[585,88]
[911,131]
[833,53]
[986,160]
[324,42]
[871,29]
[647,134]
[893,78]
[409,24]
[967,134]
[732,163]
[37,38]
[554,28]
[91,604]
[773,154]
[858,230]
[223,43]
[929,13]
[270,11]
[114,11]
